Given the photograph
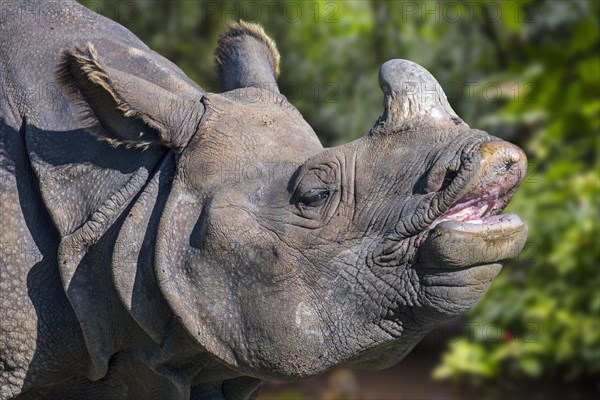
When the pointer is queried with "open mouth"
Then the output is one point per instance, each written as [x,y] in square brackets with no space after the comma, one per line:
[473,231]
[474,214]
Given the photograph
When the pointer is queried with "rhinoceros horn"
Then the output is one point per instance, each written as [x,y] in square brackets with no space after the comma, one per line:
[413,97]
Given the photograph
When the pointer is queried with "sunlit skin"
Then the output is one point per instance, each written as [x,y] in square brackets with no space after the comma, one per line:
[174,271]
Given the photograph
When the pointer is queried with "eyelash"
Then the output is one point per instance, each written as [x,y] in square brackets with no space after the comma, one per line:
[315,197]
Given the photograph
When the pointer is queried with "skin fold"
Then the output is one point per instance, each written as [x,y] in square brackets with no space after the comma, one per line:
[158,241]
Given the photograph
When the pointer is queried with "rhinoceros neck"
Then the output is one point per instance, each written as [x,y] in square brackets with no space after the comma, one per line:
[190,370]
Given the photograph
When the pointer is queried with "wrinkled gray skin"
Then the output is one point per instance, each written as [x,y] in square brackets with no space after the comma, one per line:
[221,243]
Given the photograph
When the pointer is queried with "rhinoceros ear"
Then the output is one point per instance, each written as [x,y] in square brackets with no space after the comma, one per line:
[412,97]
[124,108]
[246,57]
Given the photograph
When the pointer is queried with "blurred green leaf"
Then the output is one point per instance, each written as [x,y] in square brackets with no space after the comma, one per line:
[531,366]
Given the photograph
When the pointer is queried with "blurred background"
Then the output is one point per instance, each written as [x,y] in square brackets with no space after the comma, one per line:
[526,71]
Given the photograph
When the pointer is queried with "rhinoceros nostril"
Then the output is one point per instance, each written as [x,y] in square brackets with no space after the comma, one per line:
[437,183]
[448,178]
[507,166]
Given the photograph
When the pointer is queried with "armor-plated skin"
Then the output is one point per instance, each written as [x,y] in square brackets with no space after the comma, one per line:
[158,241]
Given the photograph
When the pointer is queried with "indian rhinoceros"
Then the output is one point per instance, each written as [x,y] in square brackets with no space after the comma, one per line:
[162,242]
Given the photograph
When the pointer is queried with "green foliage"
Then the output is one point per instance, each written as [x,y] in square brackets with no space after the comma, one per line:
[548,301]
[526,71]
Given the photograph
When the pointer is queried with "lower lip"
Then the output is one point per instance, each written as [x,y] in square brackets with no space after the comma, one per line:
[501,222]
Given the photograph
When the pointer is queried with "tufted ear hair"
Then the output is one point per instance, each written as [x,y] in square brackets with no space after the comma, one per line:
[126,108]
[245,57]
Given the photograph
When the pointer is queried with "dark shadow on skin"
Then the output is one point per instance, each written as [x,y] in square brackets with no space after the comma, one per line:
[57,328]
[145,278]
[59,341]
[80,147]
[43,281]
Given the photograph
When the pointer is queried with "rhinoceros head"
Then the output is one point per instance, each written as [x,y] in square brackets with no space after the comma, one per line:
[283,258]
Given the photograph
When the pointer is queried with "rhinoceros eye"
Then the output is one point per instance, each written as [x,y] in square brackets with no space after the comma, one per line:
[315,197]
